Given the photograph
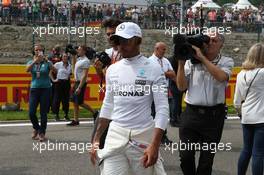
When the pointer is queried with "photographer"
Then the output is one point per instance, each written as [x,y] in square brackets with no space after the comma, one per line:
[176,102]
[203,119]
[40,91]
[81,68]
[110,27]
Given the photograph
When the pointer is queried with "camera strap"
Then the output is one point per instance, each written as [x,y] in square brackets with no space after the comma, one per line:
[218,58]
[160,62]
[116,57]
[249,84]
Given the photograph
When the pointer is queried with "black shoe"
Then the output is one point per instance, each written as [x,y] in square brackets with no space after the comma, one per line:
[73,123]
[95,115]
[57,118]
[66,117]
[165,140]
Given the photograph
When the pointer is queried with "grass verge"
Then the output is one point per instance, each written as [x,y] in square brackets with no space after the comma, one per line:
[23,115]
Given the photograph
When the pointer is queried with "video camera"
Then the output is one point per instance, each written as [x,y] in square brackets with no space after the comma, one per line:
[71,49]
[183,46]
[91,54]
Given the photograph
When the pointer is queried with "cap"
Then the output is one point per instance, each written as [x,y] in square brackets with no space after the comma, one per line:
[127,30]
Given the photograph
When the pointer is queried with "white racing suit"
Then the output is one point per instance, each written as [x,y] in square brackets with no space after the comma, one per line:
[124,150]
[131,86]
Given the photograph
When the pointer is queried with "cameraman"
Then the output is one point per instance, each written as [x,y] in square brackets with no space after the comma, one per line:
[203,119]
[110,26]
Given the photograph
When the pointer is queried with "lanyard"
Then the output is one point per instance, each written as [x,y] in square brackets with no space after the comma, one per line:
[116,58]
[160,62]
[39,66]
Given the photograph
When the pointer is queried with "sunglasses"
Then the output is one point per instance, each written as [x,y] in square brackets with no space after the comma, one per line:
[120,41]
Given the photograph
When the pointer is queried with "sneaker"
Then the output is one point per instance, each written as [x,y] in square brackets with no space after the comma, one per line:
[95,115]
[66,117]
[42,137]
[73,123]
[34,135]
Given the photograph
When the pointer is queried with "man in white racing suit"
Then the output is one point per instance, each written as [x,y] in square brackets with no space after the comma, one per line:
[133,139]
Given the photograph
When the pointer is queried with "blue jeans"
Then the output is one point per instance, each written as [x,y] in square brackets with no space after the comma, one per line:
[39,96]
[253,136]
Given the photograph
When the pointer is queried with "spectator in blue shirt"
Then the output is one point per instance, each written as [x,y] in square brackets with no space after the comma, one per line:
[40,90]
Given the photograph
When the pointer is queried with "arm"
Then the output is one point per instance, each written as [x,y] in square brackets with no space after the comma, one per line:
[151,154]
[170,74]
[161,119]
[83,80]
[238,96]
[74,58]
[214,70]
[98,65]
[181,80]
[51,77]
[36,59]
[52,68]
[30,66]
[102,125]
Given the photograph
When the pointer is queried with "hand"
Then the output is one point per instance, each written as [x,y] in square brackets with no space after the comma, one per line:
[181,62]
[150,156]
[199,55]
[98,64]
[37,59]
[78,91]
[93,152]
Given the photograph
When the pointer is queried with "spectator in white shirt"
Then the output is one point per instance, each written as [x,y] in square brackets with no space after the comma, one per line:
[249,100]
[62,87]
[158,58]
[81,68]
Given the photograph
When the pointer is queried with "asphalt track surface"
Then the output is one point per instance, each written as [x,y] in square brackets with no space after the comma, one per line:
[19,155]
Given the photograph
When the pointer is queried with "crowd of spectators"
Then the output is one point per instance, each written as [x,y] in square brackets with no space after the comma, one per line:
[42,12]
[236,16]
